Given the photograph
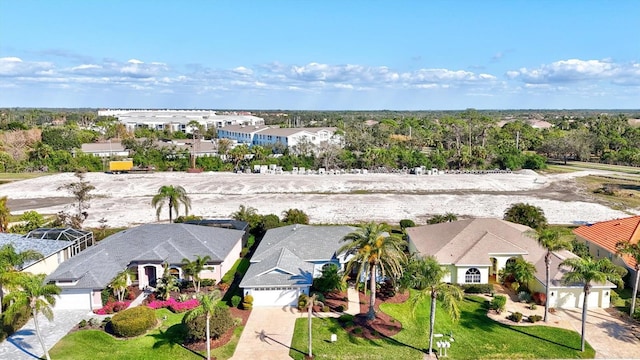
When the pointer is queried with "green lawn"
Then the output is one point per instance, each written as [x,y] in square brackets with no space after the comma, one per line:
[161,343]
[476,337]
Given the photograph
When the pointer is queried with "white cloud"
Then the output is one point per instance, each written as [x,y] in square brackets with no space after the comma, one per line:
[575,70]
[14,66]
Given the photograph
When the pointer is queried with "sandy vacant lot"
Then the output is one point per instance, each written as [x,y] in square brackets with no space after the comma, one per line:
[125,199]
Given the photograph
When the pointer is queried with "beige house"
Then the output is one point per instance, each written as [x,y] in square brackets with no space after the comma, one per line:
[55,252]
[475,250]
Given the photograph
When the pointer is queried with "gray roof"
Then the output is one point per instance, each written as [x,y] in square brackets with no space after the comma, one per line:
[95,267]
[44,247]
[285,255]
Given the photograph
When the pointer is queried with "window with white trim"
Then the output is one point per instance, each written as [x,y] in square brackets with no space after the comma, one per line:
[472,276]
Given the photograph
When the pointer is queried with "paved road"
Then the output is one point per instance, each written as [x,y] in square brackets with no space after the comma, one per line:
[24,344]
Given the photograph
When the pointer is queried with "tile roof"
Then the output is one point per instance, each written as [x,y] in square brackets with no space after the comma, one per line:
[608,233]
[44,247]
[96,266]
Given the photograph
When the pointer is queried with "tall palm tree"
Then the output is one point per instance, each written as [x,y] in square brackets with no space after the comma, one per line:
[174,195]
[193,269]
[552,240]
[426,276]
[633,250]
[37,296]
[207,306]
[10,262]
[5,213]
[375,252]
[587,272]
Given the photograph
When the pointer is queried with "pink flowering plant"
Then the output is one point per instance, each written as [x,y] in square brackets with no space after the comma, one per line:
[174,305]
[112,307]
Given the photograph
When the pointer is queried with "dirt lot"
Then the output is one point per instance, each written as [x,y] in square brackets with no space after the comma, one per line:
[125,199]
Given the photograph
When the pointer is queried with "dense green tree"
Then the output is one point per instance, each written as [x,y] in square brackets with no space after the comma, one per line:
[526,214]
[10,265]
[174,196]
[207,306]
[5,214]
[295,216]
[376,253]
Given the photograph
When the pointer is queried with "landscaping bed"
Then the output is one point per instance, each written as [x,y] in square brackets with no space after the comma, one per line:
[224,339]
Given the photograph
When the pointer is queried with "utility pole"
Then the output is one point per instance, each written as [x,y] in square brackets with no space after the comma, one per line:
[517,140]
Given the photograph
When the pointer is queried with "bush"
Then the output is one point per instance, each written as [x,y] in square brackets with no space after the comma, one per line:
[83,323]
[221,321]
[535,318]
[133,322]
[539,298]
[406,223]
[636,314]
[329,280]
[113,307]
[477,288]
[498,303]
[524,296]
[552,310]
[247,302]
[174,305]
[303,302]
[235,301]
[340,308]
[533,306]
[516,317]
[325,309]
[207,282]
[614,297]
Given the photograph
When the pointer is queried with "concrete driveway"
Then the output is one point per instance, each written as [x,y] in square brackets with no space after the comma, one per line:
[268,334]
[608,334]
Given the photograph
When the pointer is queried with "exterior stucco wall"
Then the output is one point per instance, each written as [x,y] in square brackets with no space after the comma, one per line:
[228,262]
[47,265]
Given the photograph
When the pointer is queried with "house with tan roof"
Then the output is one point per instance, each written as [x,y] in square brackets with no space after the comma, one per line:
[601,239]
[475,250]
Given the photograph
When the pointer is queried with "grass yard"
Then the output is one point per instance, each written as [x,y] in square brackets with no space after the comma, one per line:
[622,193]
[161,343]
[476,337]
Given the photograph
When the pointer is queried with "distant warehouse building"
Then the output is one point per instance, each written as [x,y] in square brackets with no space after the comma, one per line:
[290,137]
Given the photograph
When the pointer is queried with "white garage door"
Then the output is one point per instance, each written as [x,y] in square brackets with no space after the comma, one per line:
[275,296]
[573,298]
[74,299]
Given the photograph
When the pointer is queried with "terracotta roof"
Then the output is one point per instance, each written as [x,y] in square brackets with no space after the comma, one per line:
[608,233]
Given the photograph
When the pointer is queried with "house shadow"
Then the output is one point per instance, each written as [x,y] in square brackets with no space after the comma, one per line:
[18,339]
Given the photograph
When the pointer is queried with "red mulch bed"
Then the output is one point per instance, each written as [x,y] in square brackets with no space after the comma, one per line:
[382,326]
[222,340]
[334,300]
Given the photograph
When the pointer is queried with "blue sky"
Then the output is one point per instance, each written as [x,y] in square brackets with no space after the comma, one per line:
[320,55]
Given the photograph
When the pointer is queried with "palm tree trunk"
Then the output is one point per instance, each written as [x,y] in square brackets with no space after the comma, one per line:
[633,298]
[35,323]
[372,296]
[585,301]
[432,319]
[208,337]
[1,298]
[312,300]
[547,262]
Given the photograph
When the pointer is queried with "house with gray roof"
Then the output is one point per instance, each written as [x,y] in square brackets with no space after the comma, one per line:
[288,258]
[475,250]
[54,252]
[145,250]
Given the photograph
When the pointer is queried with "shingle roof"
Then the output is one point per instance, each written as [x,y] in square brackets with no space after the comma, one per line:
[96,266]
[608,233]
[44,247]
[284,256]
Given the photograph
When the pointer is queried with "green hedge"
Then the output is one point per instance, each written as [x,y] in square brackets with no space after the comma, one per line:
[134,321]
[477,288]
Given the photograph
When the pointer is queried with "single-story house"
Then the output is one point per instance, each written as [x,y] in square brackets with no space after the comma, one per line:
[144,250]
[288,258]
[475,250]
[54,252]
[601,239]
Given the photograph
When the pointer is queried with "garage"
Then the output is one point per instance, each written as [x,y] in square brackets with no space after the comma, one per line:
[275,296]
[74,299]
[570,298]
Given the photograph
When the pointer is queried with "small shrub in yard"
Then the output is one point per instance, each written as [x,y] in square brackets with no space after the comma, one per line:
[535,318]
[235,301]
[113,307]
[477,288]
[340,308]
[533,306]
[552,310]
[325,309]
[221,321]
[93,322]
[516,316]
[498,303]
[207,282]
[82,323]
[539,298]
[134,321]
[636,314]
[174,305]
[524,296]
[247,302]
[303,301]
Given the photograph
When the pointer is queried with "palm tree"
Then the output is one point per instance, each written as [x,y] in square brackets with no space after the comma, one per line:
[37,296]
[119,284]
[174,195]
[426,276]
[207,306]
[247,214]
[633,250]
[551,240]
[295,216]
[375,251]
[589,271]
[5,213]
[10,262]
[193,269]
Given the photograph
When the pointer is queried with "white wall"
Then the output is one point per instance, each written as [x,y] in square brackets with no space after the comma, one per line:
[46,265]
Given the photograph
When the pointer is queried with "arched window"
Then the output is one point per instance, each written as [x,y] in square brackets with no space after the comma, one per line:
[472,276]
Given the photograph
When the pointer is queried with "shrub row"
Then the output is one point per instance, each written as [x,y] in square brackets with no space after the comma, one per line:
[174,305]
[112,307]
[477,288]
[134,321]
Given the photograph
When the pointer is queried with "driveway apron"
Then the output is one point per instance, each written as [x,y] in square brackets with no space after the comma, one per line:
[268,334]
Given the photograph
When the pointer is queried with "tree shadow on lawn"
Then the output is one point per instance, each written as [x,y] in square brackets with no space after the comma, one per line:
[516,329]
[477,319]
[173,336]
[264,337]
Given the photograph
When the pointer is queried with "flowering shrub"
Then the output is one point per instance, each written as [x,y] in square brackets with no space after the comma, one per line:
[174,305]
[112,307]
